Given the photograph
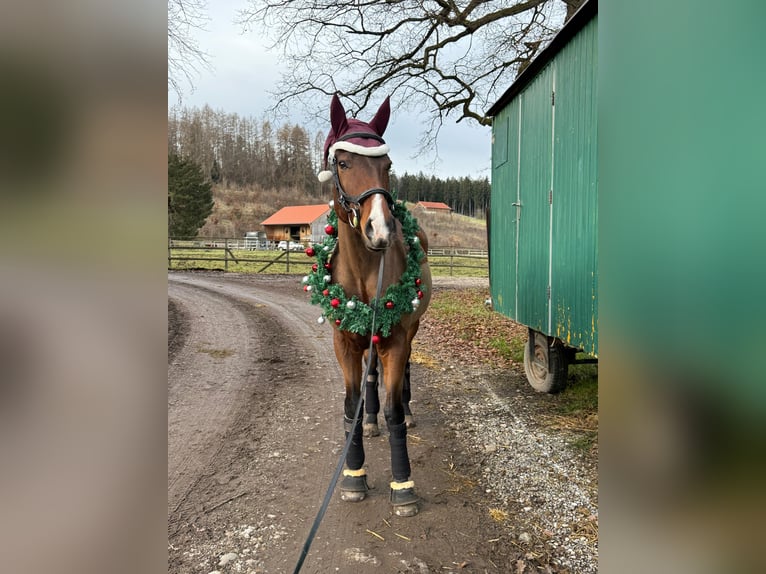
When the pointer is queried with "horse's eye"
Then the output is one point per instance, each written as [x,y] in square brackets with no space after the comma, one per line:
[342,164]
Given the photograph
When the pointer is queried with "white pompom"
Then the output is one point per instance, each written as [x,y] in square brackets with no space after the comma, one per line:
[331,203]
[305,279]
[351,305]
[415,303]
[327,278]
[320,320]
[308,288]
[416,240]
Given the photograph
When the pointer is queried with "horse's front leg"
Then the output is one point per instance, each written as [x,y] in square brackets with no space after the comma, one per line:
[353,486]
[394,359]
[371,400]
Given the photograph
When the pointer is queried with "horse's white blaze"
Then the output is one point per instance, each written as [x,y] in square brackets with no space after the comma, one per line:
[381,234]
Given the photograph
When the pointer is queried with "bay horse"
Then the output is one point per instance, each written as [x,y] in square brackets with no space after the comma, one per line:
[373,245]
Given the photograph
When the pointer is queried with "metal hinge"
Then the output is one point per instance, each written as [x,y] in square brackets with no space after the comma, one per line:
[548,292]
[550,197]
[553,97]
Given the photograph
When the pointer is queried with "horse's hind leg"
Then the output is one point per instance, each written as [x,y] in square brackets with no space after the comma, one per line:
[409,419]
[371,402]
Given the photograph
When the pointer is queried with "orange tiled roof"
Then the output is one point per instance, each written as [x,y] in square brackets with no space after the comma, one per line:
[297,215]
[434,205]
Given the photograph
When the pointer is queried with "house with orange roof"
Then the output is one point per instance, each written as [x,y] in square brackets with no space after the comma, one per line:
[434,206]
[302,223]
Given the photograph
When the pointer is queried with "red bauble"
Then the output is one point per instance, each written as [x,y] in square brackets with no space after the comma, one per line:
[314,267]
[305,287]
[389,304]
[337,322]
[329,229]
[326,292]
[420,294]
[375,339]
[417,281]
[310,251]
[334,303]
[327,266]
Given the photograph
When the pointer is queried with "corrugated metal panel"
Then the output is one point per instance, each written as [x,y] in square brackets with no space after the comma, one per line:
[503,213]
[574,293]
[534,185]
[549,249]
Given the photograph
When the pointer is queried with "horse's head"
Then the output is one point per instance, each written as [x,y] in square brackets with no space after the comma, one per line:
[356,158]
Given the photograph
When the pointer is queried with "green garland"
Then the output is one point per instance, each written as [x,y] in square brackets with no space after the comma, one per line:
[350,313]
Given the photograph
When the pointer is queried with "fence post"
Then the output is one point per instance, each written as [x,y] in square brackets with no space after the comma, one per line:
[287,255]
[226,255]
[451,257]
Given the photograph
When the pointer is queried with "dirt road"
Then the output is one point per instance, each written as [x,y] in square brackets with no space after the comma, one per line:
[255,429]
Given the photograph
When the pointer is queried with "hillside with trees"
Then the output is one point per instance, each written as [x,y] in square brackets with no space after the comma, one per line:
[256,168]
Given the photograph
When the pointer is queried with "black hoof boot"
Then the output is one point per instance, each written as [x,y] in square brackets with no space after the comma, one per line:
[353,488]
[403,499]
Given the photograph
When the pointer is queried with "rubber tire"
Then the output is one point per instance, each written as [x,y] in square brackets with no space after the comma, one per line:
[547,367]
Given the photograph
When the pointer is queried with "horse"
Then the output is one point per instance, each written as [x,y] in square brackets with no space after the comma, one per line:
[373,246]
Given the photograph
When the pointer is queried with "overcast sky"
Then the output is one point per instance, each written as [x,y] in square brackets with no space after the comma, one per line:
[243,71]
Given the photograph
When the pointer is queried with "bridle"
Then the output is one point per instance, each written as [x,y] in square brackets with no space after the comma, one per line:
[352,203]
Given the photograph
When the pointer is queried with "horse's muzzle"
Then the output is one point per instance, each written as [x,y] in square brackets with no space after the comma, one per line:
[380,227]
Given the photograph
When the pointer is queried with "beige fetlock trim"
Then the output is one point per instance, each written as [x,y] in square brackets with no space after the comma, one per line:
[402,485]
[349,472]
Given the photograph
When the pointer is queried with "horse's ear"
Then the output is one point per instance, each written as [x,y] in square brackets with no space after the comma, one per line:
[338,119]
[380,121]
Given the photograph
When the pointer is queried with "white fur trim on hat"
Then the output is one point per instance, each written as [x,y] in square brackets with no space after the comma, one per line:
[358,149]
[324,176]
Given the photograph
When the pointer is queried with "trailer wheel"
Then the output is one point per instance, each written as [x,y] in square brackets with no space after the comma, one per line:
[545,363]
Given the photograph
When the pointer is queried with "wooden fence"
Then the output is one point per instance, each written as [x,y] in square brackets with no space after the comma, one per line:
[245,256]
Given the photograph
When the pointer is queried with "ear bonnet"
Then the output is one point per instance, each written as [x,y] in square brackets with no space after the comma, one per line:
[353,135]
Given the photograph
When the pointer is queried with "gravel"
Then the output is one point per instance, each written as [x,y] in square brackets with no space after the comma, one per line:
[547,489]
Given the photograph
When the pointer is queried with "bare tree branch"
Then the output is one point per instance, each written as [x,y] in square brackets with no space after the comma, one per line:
[184,54]
[448,58]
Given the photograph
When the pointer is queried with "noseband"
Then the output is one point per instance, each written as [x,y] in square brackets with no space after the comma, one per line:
[348,201]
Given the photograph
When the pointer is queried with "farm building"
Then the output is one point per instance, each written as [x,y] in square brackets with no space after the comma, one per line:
[300,223]
[544,203]
[433,206]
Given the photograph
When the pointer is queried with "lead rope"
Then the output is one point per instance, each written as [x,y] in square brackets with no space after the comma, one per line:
[339,467]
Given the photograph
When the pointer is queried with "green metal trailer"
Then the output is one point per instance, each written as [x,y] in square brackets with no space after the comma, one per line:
[543,221]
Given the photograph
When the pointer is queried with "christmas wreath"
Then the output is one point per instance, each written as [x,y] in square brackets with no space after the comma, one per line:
[350,313]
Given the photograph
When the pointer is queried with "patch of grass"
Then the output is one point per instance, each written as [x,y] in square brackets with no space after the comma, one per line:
[458,266]
[469,331]
[512,349]
[579,397]
[584,442]
[461,303]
